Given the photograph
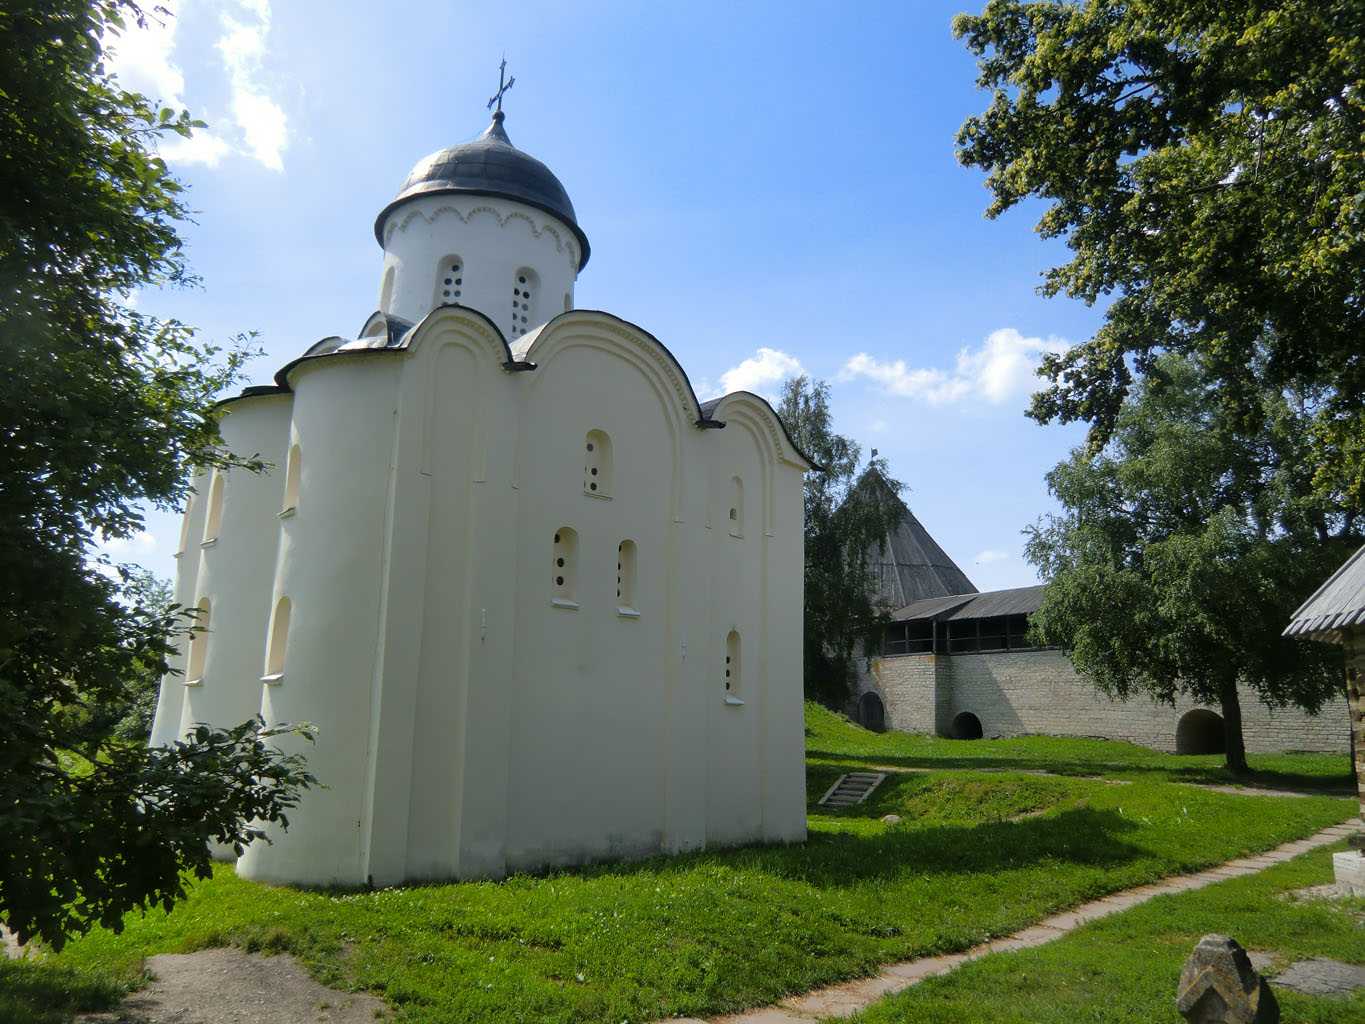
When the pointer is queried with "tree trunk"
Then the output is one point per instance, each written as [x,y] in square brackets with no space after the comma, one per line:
[1235,756]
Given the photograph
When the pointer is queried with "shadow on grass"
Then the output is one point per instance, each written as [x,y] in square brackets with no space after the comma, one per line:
[834,860]
[32,993]
[1198,774]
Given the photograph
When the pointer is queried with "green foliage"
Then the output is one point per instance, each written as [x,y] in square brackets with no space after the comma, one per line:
[1184,547]
[844,524]
[101,409]
[1125,968]
[1204,164]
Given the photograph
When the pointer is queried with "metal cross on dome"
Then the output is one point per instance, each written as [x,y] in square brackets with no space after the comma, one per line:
[503,86]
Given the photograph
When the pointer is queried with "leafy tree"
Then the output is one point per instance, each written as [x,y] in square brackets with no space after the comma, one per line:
[1203,162]
[101,409]
[844,523]
[1183,548]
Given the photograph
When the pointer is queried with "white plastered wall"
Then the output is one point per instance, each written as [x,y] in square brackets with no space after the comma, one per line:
[332,560]
[234,570]
[494,239]
[171,698]
[468,726]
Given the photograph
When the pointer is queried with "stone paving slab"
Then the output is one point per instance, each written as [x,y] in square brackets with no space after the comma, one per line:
[1322,977]
[849,997]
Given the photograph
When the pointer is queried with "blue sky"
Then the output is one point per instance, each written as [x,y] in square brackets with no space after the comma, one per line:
[766,187]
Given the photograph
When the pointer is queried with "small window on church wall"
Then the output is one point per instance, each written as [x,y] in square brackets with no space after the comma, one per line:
[199,641]
[564,571]
[449,281]
[736,507]
[292,469]
[568,302]
[597,464]
[625,575]
[525,289]
[213,519]
[278,644]
[386,290]
[732,664]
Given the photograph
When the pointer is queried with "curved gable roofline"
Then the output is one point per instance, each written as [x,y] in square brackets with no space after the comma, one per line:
[703,413]
[399,337]
[544,334]
[252,391]
[715,408]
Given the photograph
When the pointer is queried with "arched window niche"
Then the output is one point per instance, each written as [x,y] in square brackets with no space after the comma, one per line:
[736,513]
[277,645]
[292,471]
[199,642]
[525,292]
[213,518]
[386,290]
[564,571]
[734,665]
[449,280]
[597,464]
[626,556]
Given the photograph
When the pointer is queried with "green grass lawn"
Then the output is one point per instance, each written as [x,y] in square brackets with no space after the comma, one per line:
[1125,968]
[833,739]
[977,854]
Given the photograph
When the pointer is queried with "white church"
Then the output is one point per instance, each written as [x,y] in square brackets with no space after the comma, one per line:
[542,605]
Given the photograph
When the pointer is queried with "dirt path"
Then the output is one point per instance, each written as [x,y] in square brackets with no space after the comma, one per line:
[227,986]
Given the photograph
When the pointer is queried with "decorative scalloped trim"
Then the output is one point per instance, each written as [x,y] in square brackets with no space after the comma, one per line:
[544,227]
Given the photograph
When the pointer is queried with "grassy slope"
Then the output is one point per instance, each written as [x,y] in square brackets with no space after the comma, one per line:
[1125,968]
[705,933]
[833,739]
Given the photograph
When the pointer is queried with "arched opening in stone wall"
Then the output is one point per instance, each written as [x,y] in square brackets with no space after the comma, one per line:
[1200,732]
[966,726]
[871,712]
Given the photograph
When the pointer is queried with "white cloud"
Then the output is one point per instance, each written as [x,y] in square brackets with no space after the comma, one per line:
[759,373]
[1001,369]
[991,555]
[262,121]
[203,147]
[142,58]
[144,61]
[138,543]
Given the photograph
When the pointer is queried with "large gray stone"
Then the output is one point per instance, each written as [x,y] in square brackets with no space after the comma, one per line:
[1219,986]
[1323,977]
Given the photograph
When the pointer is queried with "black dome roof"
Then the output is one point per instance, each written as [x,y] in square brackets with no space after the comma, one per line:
[489,166]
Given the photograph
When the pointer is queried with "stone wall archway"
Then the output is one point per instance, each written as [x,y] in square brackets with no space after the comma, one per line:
[966,726]
[1200,732]
[872,712]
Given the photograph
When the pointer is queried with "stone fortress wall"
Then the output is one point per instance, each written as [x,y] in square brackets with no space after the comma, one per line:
[1039,693]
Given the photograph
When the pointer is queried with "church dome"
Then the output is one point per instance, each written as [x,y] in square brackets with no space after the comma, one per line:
[489,166]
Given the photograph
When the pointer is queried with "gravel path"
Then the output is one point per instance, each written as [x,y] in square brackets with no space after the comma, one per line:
[227,986]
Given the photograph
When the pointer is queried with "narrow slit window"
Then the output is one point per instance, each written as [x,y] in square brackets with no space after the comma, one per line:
[597,464]
[736,513]
[449,281]
[278,645]
[733,664]
[292,470]
[213,519]
[525,292]
[625,575]
[565,565]
[199,641]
